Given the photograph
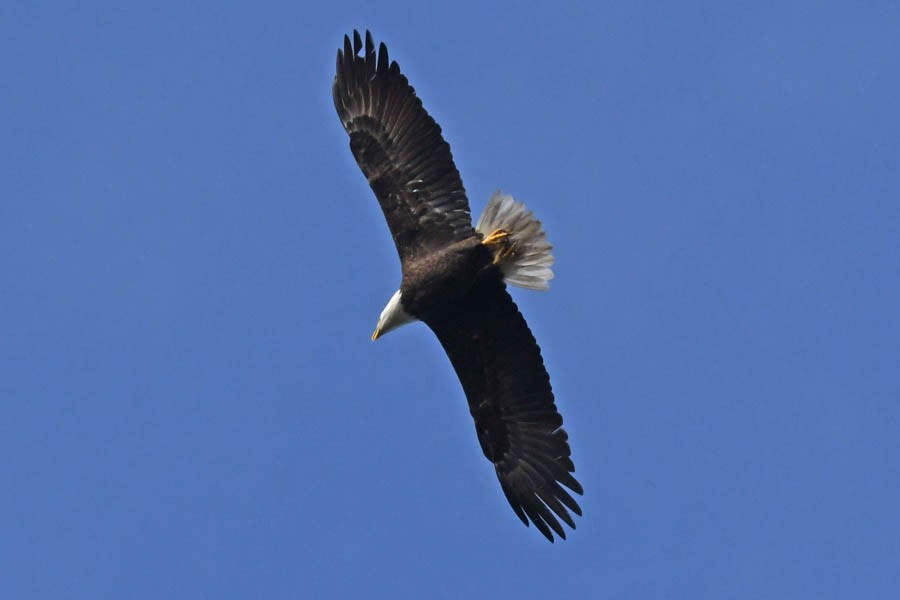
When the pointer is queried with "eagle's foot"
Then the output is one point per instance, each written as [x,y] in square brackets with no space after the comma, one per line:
[500,242]
[496,238]
[505,252]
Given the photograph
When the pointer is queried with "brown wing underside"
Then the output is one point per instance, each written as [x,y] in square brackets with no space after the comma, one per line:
[502,373]
[400,150]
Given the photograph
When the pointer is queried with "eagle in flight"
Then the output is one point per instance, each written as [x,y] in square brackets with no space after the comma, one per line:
[454,280]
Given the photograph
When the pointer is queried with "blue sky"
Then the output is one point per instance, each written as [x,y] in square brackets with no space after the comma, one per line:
[191,265]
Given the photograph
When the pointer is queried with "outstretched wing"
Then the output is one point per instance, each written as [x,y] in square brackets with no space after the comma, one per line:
[400,150]
[502,373]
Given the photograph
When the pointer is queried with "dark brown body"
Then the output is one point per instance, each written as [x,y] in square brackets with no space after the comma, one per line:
[438,285]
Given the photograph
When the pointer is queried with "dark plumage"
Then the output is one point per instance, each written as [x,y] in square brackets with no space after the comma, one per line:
[452,282]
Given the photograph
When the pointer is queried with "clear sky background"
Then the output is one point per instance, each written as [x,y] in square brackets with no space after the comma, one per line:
[191,265]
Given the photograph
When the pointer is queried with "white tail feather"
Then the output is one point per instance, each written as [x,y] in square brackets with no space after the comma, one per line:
[529,265]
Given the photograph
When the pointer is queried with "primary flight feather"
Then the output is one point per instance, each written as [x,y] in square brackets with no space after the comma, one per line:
[454,280]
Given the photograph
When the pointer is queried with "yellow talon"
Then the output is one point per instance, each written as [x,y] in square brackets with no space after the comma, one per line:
[504,253]
[498,236]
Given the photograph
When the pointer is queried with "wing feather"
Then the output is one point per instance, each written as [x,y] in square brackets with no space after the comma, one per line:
[519,428]
[400,149]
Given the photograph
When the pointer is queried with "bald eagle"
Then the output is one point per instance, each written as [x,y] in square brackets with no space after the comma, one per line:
[454,280]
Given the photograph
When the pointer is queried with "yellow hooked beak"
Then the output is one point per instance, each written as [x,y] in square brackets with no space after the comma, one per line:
[377,334]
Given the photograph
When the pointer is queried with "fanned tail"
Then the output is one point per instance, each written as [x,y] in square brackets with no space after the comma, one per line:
[528,265]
